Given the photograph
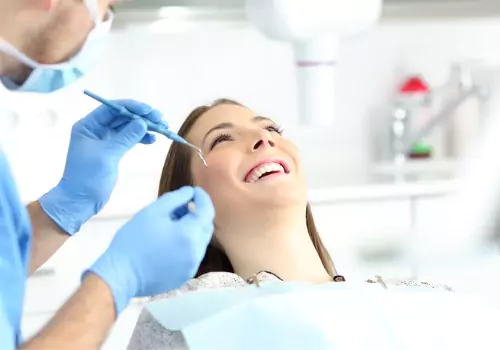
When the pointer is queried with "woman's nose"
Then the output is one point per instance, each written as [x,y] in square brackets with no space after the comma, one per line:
[263,141]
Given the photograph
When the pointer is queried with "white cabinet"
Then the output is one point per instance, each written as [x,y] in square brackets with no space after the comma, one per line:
[430,217]
[366,238]
[118,337]
[46,293]
[471,273]
[32,324]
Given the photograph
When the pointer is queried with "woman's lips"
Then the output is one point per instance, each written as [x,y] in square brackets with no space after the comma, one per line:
[268,167]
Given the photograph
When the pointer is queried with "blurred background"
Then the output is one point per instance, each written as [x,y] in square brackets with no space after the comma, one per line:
[411,95]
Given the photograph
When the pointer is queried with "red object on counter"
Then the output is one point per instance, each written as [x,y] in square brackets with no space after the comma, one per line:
[414,84]
[415,87]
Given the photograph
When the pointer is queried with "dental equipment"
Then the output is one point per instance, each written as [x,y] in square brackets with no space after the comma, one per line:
[403,141]
[155,127]
[314,28]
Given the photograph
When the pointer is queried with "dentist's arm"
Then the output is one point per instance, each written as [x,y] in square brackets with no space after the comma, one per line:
[47,236]
[98,143]
[150,255]
[83,322]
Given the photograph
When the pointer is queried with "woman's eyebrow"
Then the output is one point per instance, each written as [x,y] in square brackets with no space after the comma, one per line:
[259,118]
[231,125]
[217,127]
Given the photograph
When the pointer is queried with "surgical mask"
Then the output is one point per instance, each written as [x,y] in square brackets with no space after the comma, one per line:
[46,78]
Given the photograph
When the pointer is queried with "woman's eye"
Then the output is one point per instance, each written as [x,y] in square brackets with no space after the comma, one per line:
[274,128]
[219,139]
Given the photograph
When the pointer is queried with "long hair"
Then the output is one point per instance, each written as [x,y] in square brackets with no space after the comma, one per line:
[177,173]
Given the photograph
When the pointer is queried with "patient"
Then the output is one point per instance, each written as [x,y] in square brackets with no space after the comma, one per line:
[264,228]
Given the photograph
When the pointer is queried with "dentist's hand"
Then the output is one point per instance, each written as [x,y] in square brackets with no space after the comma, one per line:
[97,144]
[154,253]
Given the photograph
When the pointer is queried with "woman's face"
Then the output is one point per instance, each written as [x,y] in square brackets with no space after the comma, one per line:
[251,166]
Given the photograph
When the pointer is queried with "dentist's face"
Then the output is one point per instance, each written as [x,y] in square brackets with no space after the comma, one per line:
[251,166]
[63,29]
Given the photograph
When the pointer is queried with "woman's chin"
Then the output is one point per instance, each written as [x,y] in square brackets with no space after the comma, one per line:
[280,195]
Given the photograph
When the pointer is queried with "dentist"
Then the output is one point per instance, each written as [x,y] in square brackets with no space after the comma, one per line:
[44,46]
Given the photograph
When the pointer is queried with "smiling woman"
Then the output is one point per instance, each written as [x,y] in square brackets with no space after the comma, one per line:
[251,210]
[264,227]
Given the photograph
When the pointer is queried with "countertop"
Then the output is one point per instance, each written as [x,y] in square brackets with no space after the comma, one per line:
[128,198]
[381,190]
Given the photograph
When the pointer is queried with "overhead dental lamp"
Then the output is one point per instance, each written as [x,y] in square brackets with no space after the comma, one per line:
[314,28]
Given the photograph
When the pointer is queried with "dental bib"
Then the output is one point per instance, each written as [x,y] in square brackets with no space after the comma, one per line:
[285,315]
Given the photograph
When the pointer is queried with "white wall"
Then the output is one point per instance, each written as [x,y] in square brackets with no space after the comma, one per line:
[177,72]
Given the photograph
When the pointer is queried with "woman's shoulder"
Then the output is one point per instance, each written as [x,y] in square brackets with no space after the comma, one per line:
[218,280]
[211,280]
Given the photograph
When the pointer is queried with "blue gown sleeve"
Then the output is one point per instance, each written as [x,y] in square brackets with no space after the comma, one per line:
[15,243]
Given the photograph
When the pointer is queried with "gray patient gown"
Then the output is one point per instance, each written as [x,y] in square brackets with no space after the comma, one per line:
[149,334]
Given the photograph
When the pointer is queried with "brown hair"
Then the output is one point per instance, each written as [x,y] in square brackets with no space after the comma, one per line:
[177,173]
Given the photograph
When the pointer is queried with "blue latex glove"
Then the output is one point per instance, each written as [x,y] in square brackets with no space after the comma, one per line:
[97,144]
[154,252]
[15,242]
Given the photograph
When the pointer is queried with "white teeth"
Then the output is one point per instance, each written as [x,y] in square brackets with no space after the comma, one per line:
[262,169]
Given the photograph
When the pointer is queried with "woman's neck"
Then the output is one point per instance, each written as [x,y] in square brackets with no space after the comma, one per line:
[285,250]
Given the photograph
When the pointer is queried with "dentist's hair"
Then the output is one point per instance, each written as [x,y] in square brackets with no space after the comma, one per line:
[177,173]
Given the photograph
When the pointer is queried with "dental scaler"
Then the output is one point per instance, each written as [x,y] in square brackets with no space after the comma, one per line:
[155,127]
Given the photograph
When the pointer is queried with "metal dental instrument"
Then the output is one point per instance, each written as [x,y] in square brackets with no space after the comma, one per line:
[155,127]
